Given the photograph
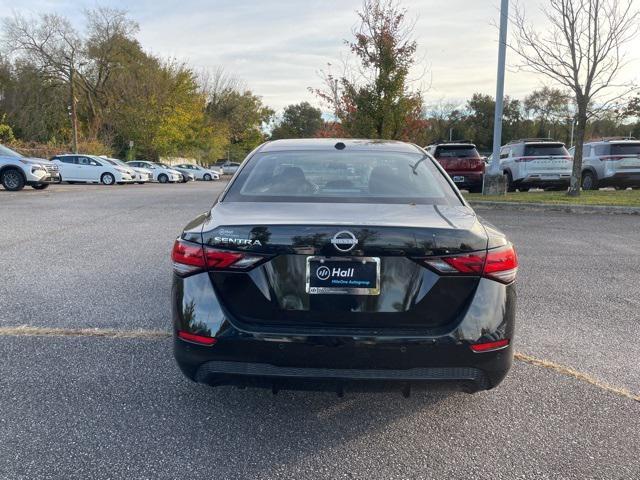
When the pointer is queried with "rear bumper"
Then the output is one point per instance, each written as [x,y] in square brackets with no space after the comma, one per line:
[416,367]
[541,182]
[629,179]
[471,179]
[336,360]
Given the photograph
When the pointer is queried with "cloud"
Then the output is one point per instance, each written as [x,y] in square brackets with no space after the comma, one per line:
[278,46]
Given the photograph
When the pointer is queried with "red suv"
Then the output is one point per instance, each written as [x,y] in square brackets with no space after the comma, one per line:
[462,162]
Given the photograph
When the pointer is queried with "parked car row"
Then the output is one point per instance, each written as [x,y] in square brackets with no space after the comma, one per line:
[610,162]
[544,163]
[16,171]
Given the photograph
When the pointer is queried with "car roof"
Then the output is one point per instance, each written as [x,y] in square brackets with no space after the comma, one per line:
[613,140]
[453,144]
[329,144]
[527,141]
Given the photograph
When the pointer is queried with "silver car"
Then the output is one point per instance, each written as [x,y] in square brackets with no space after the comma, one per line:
[610,162]
[17,171]
[230,168]
[198,172]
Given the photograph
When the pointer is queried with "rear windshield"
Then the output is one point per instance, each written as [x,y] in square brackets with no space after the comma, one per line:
[545,149]
[625,149]
[460,151]
[342,177]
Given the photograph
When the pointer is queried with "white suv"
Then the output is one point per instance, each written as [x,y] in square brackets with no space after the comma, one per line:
[536,163]
[612,162]
[17,171]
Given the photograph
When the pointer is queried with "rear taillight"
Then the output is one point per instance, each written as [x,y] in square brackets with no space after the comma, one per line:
[502,264]
[195,338]
[490,346]
[190,257]
[499,264]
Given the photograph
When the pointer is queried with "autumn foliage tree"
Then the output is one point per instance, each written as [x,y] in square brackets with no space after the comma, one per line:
[375,100]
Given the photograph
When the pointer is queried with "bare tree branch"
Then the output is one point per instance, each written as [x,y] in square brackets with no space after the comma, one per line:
[582,48]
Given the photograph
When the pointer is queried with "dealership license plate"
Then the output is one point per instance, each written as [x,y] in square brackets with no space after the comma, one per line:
[346,276]
[458,179]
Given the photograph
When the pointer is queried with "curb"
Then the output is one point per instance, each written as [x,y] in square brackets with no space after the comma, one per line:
[555,207]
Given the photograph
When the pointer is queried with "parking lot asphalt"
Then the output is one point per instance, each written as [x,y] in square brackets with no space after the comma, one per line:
[87,407]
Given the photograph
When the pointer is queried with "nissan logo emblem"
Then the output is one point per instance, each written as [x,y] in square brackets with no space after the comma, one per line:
[344,241]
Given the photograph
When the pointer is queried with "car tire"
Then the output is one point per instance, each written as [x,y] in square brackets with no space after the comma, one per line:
[207,177]
[589,181]
[523,189]
[107,179]
[40,186]
[12,180]
[162,178]
[510,186]
[475,189]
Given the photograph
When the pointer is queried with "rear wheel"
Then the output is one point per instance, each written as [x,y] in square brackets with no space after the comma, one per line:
[510,186]
[12,180]
[207,177]
[107,179]
[589,181]
[40,186]
[523,189]
[163,178]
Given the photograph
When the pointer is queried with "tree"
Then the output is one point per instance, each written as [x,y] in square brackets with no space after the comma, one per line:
[374,101]
[243,114]
[52,46]
[480,117]
[446,119]
[582,49]
[549,106]
[298,121]
[632,109]
[35,106]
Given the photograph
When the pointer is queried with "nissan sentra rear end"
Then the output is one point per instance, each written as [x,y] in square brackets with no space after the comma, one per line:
[331,264]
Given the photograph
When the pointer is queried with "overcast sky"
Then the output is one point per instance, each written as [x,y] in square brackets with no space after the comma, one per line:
[278,46]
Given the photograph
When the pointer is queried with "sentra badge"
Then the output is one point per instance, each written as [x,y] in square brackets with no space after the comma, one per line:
[237,241]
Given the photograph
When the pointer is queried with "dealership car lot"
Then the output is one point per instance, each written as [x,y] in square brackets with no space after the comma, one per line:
[87,256]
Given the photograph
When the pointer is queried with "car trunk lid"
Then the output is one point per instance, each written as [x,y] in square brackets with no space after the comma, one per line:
[293,236]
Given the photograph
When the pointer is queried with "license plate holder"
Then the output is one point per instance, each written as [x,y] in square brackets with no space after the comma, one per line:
[343,276]
[458,178]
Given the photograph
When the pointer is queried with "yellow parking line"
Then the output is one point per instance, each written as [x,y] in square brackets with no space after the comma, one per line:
[571,372]
[29,331]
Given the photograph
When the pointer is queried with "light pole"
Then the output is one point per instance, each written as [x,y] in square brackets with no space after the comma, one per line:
[494,181]
[74,113]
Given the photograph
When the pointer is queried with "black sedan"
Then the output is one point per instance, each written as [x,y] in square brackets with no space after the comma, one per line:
[343,264]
